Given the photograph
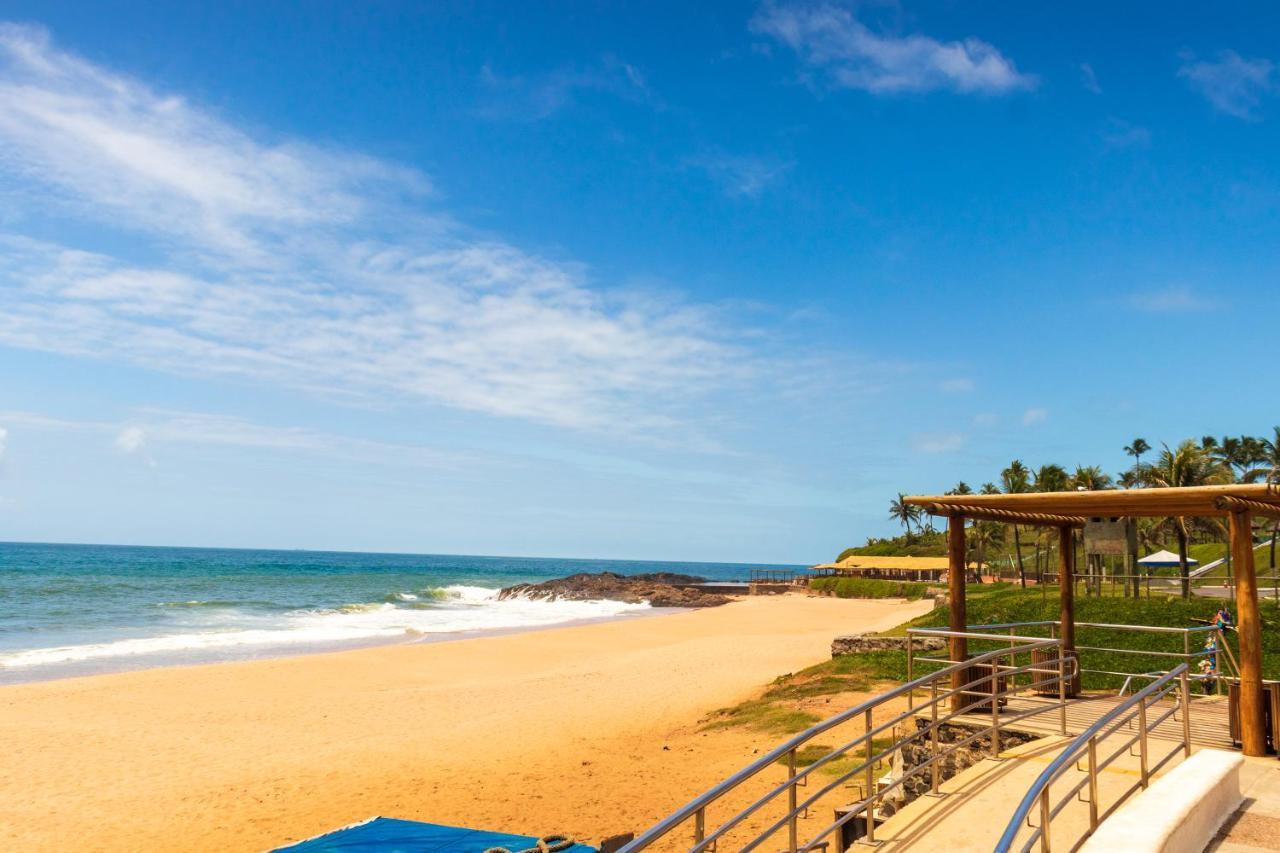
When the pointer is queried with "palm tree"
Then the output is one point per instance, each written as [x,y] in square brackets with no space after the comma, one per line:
[904,513]
[982,536]
[989,532]
[1270,459]
[1136,449]
[961,488]
[1090,478]
[1047,478]
[1051,478]
[1187,465]
[1016,479]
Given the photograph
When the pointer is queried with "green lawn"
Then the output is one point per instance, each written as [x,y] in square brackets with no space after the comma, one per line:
[778,710]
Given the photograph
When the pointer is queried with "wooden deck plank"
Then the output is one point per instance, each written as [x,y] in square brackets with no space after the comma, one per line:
[1209,722]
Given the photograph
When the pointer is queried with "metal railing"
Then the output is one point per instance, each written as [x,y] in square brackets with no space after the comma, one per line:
[1138,707]
[779,576]
[864,752]
[1192,652]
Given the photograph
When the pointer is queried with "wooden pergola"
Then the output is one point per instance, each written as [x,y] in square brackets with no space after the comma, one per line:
[1068,510]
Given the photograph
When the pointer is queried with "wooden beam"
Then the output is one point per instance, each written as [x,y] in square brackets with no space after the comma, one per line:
[1232,503]
[956,565]
[1067,597]
[990,514]
[1253,727]
[1192,500]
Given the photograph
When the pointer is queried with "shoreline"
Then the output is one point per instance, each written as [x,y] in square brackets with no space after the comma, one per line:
[590,729]
[121,664]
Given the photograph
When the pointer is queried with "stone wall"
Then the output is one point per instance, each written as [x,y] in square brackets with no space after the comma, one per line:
[852,644]
[919,751]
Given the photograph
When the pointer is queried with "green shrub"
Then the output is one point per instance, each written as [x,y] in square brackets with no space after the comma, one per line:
[868,588]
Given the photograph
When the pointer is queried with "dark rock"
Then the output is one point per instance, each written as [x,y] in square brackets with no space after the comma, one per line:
[852,644]
[655,588]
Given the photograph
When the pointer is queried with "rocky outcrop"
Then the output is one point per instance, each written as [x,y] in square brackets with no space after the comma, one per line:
[657,589]
[919,751]
[852,644]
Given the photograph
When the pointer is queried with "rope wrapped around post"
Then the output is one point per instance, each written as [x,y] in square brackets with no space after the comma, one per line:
[993,514]
[1231,503]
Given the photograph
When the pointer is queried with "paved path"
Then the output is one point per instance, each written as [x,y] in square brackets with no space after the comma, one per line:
[978,803]
[1256,824]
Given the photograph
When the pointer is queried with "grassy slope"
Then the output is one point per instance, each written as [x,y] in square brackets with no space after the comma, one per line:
[777,709]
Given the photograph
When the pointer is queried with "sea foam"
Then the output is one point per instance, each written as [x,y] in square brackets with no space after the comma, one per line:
[440,610]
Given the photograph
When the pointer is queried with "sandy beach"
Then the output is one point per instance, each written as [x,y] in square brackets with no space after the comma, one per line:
[591,729]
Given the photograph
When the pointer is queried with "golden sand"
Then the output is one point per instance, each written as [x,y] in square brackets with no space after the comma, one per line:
[588,729]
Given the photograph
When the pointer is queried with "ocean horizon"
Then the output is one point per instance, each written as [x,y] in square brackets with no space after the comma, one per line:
[77,609]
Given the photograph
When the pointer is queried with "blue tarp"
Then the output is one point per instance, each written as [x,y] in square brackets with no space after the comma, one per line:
[388,835]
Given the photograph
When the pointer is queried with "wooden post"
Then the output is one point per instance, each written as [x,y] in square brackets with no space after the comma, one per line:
[955,590]
[1067,596]
[1253,729]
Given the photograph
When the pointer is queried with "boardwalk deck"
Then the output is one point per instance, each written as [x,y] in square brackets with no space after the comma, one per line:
[1209,720]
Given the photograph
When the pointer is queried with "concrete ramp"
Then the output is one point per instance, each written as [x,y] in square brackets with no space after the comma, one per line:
[976,805]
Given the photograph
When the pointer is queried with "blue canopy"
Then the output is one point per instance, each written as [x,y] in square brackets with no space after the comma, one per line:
[388,835]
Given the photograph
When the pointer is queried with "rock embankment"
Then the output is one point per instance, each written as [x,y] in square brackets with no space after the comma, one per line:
[657,589]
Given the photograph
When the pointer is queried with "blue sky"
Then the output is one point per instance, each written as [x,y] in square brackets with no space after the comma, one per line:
[650,281]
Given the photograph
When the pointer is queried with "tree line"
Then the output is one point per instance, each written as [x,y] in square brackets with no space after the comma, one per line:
[1203,462]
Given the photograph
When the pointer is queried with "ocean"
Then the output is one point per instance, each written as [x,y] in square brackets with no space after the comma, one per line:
[80,609]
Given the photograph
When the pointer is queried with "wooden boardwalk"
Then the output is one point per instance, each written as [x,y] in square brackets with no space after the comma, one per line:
[1209,722]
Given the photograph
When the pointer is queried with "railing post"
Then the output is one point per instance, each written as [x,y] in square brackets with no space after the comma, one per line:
[995,707]
[1044,820]
[871,791]
[1062,688]
[699,825]
[911,694]
[934,766]
[1184,688]
[1142,741]
[1093,783]
[792,828]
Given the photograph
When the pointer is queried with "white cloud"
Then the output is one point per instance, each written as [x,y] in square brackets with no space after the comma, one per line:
[1088,79]
[4,442]
[148,428]
[937,442]
[541,96]
[957,385]
[986,419]
[741,176]
[1119,133]
[1171,300]
[831,38]
[132,441]
[284,263]
[1034,416]
[1232,84]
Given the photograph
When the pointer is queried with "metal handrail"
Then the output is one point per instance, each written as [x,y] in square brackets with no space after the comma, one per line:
[1224,657]
[1058,671]
[1087,743]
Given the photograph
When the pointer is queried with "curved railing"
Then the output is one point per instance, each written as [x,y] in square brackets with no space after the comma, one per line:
[990,690]
[1086,745]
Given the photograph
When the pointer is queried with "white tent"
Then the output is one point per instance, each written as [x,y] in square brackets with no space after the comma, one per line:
[1164,559]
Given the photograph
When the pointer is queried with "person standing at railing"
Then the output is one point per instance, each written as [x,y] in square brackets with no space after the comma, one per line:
[1208,677]
[1209,665]
[1222,619]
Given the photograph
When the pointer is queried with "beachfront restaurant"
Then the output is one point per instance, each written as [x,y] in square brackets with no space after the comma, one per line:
[885,568]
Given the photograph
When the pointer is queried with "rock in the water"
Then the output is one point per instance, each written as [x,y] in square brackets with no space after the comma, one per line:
[656,588]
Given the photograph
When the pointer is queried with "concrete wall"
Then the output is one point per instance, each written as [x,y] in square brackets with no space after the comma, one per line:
[1180,812]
